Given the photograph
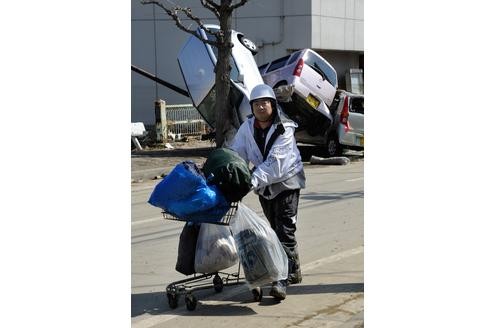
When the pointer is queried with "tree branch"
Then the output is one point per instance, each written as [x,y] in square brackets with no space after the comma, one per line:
[213,7]
[240,4]
[187,11]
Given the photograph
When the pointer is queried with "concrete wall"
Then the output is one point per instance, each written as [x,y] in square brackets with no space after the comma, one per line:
[169,40]
[277,26]
[341,61]
[337,25]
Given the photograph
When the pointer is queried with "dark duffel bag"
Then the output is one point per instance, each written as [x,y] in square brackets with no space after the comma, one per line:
[187,248]
[229,172]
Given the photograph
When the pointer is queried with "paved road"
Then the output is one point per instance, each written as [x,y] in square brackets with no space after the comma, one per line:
[330,234]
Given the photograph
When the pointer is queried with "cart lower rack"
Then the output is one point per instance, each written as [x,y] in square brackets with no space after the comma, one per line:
[198,282]
[187,286]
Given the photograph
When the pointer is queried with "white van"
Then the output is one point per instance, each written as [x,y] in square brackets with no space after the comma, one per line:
[312,78]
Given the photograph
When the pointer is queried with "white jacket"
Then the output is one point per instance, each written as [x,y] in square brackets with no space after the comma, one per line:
[283,160]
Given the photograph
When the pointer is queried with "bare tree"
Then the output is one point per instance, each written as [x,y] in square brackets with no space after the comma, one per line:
[223,12]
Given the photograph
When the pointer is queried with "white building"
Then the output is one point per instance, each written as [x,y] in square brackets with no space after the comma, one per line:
[333,28]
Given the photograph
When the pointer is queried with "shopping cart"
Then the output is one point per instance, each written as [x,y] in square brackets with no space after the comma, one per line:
[203,281]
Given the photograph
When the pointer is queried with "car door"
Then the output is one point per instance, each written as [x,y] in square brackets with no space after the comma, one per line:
[317,77]
[197,68]
[356,114]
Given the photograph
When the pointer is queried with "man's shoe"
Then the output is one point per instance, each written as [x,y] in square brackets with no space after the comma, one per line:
[295,278]
[278,290]
[295,275]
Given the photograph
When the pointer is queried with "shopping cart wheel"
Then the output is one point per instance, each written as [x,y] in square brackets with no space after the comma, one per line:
[191,302]
[257,294]
[217,283]
[173,300]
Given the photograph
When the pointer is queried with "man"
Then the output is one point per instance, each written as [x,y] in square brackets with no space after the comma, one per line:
[267,141]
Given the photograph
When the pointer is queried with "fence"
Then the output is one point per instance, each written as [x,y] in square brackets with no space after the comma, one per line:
[185,120]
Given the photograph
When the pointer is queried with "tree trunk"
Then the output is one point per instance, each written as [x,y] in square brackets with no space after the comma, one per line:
[223,118]
[224,112]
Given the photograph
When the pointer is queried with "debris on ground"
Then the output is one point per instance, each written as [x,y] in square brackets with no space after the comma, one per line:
[330,160]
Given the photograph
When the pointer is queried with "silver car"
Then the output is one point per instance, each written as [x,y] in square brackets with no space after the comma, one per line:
[317,120]
[197,62]
[345,131]
[350,126]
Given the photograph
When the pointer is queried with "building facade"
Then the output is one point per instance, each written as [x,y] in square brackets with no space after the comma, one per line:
[333,28]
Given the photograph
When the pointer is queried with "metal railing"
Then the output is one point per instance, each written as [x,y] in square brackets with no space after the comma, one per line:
[185,120]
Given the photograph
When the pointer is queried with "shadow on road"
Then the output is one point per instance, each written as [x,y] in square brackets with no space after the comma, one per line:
[320,198]
[332,195]
[308,150]
[178,152]
[325,289]
[232,309]
[152,303]
[301,290]
[157,303]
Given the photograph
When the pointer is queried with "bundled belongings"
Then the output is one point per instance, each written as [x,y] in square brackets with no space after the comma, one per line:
[187,248]
[185,194]
[205,248]
[227,170]
[260,252]
[215,249]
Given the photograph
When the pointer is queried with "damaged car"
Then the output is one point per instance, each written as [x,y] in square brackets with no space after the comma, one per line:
[304,83]
[312,79]
[306,86]
[345,130]
[197,62]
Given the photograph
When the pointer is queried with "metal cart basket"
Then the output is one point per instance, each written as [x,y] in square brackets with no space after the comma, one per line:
[224,220]
[203,281]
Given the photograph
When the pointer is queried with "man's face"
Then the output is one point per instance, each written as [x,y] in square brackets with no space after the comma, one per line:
[262,109]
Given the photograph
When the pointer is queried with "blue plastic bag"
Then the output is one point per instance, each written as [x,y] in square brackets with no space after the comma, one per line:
[211,215]
[185,194]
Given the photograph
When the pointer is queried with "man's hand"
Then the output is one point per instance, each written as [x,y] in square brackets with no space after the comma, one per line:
[254,182]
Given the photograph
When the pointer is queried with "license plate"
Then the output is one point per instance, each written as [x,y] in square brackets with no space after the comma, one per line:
[312,101]
[361,141]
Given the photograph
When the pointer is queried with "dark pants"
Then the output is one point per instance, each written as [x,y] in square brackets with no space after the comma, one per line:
[281,212]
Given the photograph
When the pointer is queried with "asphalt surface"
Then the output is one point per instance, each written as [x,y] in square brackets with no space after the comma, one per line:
[330,236]
[154,163]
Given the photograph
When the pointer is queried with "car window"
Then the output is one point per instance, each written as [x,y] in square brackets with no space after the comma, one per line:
[262,67]
[277,63]
[234,72]
[197,68]
[321,67]
[207,106]
[212,37]
[357,105]
[294,57]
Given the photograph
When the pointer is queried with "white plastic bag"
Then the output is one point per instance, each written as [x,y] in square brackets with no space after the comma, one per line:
[215,249]
[260,252]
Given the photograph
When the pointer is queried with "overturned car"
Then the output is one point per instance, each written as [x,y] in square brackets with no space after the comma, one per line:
[322,112]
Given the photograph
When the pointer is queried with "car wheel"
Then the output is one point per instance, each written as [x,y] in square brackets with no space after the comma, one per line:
[280,84]
[284,95]
[249,44]
[334,148]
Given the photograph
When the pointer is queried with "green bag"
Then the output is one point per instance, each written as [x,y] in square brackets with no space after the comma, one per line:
[229,172]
